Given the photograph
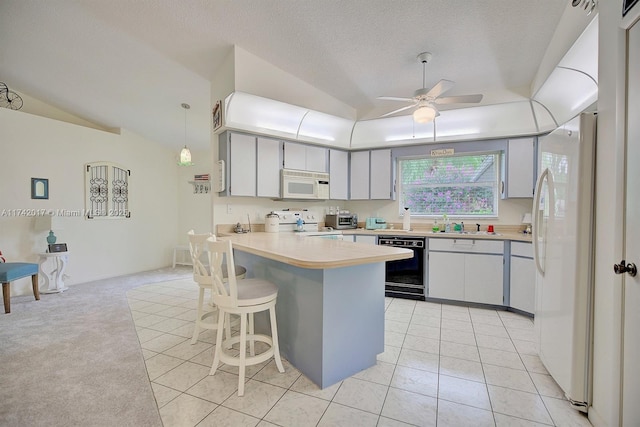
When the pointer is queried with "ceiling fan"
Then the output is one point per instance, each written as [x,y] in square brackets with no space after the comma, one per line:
[426,99]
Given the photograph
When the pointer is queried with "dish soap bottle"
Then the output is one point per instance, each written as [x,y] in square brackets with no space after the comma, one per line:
[447,225]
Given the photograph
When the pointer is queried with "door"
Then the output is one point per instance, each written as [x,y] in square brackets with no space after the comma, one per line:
[631,337]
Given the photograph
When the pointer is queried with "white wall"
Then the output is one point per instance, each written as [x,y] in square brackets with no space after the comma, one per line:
[258,77]
[34,146]
[194,210]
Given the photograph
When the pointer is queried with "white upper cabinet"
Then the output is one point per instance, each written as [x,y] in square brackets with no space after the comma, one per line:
[371,175]
[338,175]
[242,165]
[268,167]
[305,157]
[252,165]
[518,178]
[381,174]
[359,175]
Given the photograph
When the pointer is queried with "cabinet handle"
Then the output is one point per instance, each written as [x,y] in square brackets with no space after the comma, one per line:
[464,242]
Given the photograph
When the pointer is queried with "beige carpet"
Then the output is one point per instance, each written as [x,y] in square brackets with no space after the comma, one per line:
[73,359]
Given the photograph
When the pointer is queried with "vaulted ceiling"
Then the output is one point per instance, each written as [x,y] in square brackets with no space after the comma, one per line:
[130,64]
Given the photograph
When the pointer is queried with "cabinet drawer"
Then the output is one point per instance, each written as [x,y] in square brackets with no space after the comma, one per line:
[467,245]
[522,249]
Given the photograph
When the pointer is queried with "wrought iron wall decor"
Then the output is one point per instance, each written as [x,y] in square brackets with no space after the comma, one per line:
[107,191]
[9,99]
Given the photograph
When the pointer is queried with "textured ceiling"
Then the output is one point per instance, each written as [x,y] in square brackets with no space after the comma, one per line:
[130,63]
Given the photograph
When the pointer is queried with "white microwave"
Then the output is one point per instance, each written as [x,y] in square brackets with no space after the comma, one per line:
[297,184]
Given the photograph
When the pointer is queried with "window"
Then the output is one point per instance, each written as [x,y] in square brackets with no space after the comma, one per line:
[462,186]
[107,191]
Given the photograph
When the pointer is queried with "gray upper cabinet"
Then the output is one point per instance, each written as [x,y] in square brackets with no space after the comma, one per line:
[242,165]
[518,172]
[371,175]
[380,173]
[305,157]
[338,174]
[359,175]
[252,165]
[268,167]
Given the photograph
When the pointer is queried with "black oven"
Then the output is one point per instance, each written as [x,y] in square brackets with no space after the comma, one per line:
[404,278]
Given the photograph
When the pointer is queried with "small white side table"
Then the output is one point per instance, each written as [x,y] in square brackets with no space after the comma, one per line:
[54,279]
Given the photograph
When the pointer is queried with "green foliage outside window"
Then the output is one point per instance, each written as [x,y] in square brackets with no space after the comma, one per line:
[457,186]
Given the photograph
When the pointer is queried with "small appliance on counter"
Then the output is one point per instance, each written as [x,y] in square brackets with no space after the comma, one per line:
[375,224]
[341,221]
[272,222]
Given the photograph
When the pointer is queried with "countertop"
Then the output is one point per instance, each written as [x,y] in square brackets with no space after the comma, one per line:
[313,252]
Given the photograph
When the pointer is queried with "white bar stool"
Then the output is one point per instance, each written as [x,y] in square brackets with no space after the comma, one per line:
[202,276]
[243,298]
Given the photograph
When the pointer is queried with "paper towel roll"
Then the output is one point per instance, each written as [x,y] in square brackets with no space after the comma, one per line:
[406,221]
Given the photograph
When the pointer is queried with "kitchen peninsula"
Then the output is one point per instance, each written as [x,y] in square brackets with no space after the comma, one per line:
[330,307]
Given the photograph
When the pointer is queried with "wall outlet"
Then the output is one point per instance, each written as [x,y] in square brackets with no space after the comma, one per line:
[229,209]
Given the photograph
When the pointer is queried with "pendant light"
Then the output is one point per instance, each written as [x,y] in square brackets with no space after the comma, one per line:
[185,154]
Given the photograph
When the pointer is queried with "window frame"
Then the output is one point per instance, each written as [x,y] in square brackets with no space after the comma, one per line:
[497,153]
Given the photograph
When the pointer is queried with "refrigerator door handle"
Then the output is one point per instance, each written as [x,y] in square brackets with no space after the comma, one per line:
[536,220]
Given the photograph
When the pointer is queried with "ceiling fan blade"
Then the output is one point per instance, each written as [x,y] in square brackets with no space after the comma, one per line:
[441,87]
[398,110]
[393,98]
[462,99]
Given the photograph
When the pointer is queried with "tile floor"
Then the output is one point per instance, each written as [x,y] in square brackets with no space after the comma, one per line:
[442,365]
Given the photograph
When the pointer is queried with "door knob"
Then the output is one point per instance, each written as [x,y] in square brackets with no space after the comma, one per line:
[625,268]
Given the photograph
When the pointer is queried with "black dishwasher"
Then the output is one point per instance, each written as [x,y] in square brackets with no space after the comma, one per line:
[404,278]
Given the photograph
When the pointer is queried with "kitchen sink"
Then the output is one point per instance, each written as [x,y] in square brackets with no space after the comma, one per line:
[470,233]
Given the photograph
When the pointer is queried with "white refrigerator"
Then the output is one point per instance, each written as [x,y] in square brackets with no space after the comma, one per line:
[563,224]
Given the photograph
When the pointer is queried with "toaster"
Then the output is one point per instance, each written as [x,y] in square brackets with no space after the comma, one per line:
[375,224]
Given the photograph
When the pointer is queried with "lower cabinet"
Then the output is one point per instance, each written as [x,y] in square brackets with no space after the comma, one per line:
[446,275]
[522,277]
[368,239]
[466,270]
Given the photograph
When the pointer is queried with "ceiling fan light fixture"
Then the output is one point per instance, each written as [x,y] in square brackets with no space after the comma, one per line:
[424,114]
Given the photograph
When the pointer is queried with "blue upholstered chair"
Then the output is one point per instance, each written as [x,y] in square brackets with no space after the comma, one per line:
[10,271]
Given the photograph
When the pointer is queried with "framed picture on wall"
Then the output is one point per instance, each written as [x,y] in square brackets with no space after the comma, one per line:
[39,188]
[217,115]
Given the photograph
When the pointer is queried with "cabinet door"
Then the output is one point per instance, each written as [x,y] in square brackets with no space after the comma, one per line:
[268,172]
[381,174]
[295,156]
[359,175]
[483,278]
[522,281]
[243,165]
[316,159]
[338,175]
[446,275]
[519,179]
[369,240]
